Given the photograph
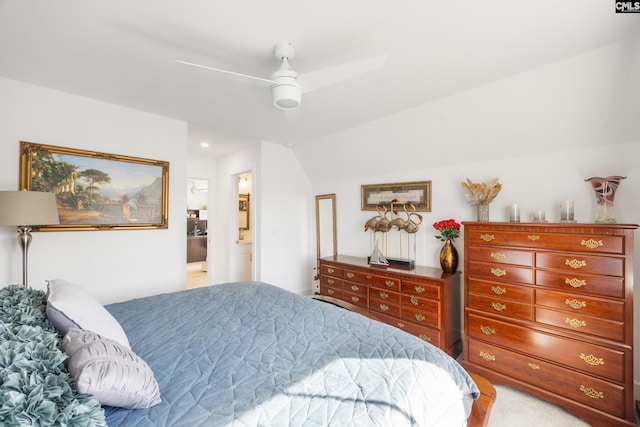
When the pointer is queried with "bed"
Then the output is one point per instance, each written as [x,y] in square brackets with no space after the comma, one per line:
[252,354]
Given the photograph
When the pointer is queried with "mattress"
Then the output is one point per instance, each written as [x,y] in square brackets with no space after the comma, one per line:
[253,354]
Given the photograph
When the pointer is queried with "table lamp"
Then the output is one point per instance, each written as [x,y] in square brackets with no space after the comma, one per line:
[25,209]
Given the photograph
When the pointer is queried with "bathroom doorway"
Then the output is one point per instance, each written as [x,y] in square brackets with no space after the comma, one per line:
[242,260]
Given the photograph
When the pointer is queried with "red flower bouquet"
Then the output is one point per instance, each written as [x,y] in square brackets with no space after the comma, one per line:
[449,229]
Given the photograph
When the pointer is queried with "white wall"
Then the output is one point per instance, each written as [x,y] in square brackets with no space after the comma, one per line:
[286,228]
[113,265]
[541,133]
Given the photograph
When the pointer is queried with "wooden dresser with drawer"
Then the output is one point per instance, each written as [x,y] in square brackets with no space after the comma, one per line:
[549,310]
[424,301]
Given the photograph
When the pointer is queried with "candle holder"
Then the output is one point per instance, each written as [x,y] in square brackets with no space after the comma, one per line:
[566,211]
[514,213]
[538,216]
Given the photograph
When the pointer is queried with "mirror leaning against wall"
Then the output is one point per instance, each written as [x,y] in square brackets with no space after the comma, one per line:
[326,238]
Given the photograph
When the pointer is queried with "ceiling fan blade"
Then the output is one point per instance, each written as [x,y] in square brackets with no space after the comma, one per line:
[292,114]
[265,82]
[331,75]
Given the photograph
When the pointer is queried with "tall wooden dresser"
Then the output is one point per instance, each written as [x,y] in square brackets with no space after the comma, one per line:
[424,301]
[549,310]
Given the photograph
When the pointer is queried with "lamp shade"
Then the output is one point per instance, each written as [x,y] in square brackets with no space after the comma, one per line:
[27,208]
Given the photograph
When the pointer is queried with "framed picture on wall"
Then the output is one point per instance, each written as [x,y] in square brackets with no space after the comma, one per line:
[416,193]
[97,191]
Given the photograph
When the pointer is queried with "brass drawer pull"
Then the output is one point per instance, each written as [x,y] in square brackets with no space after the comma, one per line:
[355,298]
[351,275]
[592,244]
[400,325]
[575,323]
[534,366]
[533,237]
[414,300]
[574,263]
[419,289]
[331,291]
[420,317]
[384,307]
[574,303]
[498,290]
[331,270]
[487,357]
[591,392]
[425,337]
[498,306]
[487,237]
[591,359]
[487,330]
[498,272]
[368,276]
[575,283]
[331,281]
[498,256]
[389,283]
[384,295]
[354,288]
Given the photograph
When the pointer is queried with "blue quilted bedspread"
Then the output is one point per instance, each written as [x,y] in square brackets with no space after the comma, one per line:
[252,354]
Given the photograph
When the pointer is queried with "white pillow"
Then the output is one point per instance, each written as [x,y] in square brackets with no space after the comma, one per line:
[70,306]
[111,372]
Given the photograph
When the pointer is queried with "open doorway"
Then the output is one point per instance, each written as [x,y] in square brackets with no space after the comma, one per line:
[197,232]
[241,260]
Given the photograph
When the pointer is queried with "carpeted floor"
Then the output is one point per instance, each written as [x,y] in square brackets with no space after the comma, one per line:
[514,408]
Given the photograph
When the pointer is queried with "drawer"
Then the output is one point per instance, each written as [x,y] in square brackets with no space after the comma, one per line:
[500,272]
[330,281]
[423,304]
[599,394]
[421,289]
[579,283]
[523,294]
[356,288]
[580,304]
[589,358]
[420,317]
[501,306]
[383,295]
[372,279]
[534,240]
[356,299]
[331,270]
[501,255]
[385,307]
[608,266]
[331,291]
[581,323]
[429,335]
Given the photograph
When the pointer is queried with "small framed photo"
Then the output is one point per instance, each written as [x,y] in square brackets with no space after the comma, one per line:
[416,193]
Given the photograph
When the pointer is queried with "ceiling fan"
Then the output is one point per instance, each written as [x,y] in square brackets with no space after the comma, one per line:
[287,86]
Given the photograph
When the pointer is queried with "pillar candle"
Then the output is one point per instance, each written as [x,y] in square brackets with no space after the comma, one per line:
[514,213]
[566,210]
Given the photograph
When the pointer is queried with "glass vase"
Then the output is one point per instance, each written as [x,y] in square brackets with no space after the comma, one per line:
[605,191]
[449,257]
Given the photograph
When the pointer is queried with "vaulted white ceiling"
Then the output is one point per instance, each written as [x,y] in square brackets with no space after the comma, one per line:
[124,52]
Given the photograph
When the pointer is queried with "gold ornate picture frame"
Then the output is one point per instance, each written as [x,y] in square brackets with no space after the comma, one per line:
[417,193]
[97,191]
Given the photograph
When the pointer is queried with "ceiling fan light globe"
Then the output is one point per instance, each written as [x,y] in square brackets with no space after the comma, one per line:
[286,96]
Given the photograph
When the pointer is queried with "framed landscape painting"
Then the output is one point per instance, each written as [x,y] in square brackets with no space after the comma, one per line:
[417,193]
[97,191]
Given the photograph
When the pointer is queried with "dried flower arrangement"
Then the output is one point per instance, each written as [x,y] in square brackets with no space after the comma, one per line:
[481,195]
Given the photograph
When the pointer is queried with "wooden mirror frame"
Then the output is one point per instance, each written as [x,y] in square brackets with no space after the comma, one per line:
[324,214]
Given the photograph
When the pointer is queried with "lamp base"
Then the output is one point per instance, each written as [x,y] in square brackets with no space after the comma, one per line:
[24,237]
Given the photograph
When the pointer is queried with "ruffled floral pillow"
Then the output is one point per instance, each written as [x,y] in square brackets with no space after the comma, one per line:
[35,387]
